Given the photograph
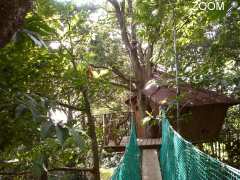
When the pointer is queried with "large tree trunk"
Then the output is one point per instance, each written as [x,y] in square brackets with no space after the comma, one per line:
[139,58]
[91,126]
[92,134]
[12,13]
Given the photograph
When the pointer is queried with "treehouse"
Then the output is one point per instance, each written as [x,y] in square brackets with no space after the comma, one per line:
[202,112]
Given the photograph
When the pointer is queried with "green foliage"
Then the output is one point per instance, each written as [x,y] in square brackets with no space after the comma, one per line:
[36,78]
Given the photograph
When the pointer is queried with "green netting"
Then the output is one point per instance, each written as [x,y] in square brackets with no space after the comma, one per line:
[180,160]
[129,167]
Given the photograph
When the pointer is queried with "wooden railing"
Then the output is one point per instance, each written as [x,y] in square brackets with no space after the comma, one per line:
[57,173]
[72,173]
[112,128]
[115,126]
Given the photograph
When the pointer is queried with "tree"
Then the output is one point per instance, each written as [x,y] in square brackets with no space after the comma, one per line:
[140,27]
[36,75]
[76,36]
[12,18]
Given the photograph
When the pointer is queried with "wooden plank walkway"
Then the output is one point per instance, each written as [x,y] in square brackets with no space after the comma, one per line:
[150,143]
[150,165]
[143,142]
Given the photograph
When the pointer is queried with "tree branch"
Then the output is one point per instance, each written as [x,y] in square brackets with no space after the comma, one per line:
[127,87]
[149,53]
[69,106]
[133,25]
[121,75]
[140,52]
[122,23]
[116,71]
[131,47]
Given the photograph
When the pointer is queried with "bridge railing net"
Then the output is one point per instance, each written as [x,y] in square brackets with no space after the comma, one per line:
[180,160]
[129,167]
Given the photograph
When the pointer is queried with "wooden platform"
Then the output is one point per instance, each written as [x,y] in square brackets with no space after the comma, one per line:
[150,143]
[150,165]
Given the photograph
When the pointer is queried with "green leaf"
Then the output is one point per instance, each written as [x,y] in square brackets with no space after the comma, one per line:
[44,103]
[146,120]
[45,127]
[62,133]
[20,110]
[77,137]
[38,166]
[35,38]
[36,23]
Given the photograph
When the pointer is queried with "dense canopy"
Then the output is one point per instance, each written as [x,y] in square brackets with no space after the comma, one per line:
[81,60]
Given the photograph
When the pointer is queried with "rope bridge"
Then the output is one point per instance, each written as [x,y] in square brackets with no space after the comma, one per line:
[179,160]
[129,167]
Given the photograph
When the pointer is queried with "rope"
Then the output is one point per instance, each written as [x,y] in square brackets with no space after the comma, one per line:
[180,160]
[130,89]
[129,167]
[176,65]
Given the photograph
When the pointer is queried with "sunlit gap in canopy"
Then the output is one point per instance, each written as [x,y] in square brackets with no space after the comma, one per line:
[97,14]
[58,116]
[83,2]
[86,2]
[94,16]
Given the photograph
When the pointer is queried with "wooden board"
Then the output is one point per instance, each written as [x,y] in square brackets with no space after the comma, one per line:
[151,143]
[143,142]
[150,165]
